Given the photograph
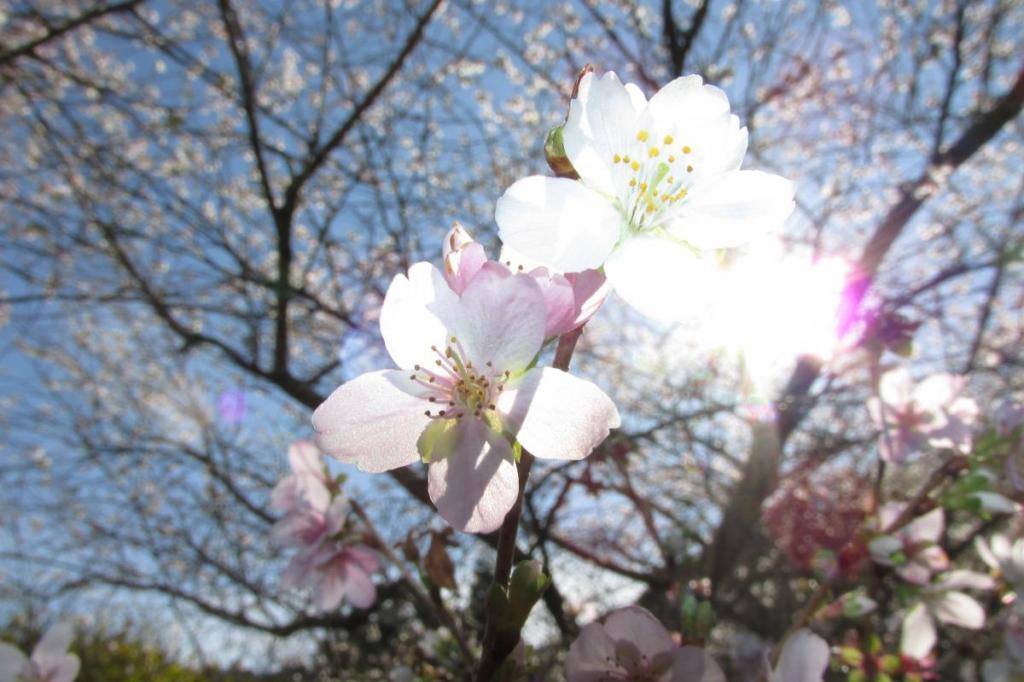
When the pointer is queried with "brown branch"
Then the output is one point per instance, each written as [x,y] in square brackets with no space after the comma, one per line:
[679,45]
[28,49]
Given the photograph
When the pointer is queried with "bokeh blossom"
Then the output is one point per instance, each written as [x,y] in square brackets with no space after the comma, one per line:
[659,185]
[931,412]
[631,645]
[50,660]
[466,393]
[332,567]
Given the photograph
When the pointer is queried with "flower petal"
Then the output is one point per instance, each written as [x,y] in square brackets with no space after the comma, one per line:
[557,222]
[475,486]
[966,580]
[804,658]
[896,388]
[601,123]
[957,608]
[359,588]
[556,415]
[54,643]
[918,636]
[637,625]
[329,589]
[694,664]
[662,279]
[500,320]
[925,528]
[732,208]
[12,662]
[589,655]
[688,97]
[413,315]
[372,421]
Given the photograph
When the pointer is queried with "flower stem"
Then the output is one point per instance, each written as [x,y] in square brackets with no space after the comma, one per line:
[496,649]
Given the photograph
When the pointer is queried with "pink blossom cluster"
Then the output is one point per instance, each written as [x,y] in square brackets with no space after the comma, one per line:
[326,562]
[49,662]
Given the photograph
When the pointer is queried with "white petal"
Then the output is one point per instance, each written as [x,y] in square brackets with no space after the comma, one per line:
[475,486]
[558,223]
[556,415]
[994,503]
[957,608]
[500,320]
[412,318]
[12,662]
[804,658]
[688,98]
[966,580]
[919,636]
[896,388]
[63,670]
[601,123]
[55,642]
[304,458]
[372,421]
[990,556]
[732,208]
[937,391]
[926,528]
[662,279]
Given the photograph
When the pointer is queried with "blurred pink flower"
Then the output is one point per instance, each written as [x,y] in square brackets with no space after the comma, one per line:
[632,645]
[306,485]
[571,299]
[931,412]
[333,573]
[466,391]
[50,661]
[912,550]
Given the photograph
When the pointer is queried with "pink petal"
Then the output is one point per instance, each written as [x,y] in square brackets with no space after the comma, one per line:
[556,415]
[591,657]
[329,589]
[372,421]
[413,316]
[475,486]
[359,588]
[937,391]
[304,458]
[463,258]
[590,289]
[558,300]
[918,636]
[501,321]
[636,624]
[956,608]
[364,557]
[54,643]
[804,658]
[63,670]
[966,580]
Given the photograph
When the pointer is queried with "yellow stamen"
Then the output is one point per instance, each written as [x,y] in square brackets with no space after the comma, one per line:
[652,152]
[642,136]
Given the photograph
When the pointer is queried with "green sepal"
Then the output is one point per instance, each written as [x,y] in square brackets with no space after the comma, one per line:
[437,440]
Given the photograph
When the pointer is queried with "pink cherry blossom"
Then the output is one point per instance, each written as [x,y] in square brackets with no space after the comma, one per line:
[333,573]
[932,412]
[571,299]
[466,392]
[306,485]
[50,660]
[804,658]
[943,601]
[632,645]
[912,550]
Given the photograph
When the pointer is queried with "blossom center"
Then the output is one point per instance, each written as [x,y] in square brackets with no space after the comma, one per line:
[456,386]
[657,175]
